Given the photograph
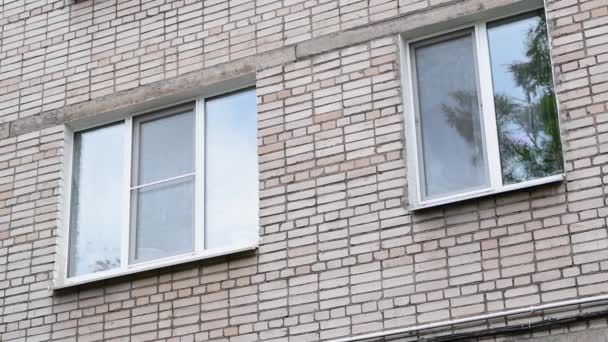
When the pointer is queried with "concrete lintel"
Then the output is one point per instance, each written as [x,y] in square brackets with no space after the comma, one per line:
[590,335]
[224,76]
[206,82]
[441,17]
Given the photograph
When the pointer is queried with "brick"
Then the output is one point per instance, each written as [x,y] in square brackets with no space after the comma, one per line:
[340,252]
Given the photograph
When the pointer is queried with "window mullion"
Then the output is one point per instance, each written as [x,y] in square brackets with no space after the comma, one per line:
[126,219]
[487,106]
[199,182]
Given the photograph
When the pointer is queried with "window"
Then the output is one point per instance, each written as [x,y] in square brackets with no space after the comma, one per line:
[484,112]
[164,187]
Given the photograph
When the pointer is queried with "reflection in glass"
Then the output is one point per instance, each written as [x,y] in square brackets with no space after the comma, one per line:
[166,147]
[165,219]
[526,113]
[450,124]
[163,209]
[96,204]
[231,176]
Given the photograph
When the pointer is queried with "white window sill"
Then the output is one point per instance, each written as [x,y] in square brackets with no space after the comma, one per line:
[150,265]
[487,192]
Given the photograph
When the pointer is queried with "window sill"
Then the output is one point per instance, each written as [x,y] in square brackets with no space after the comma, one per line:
[64,283]
[487,192]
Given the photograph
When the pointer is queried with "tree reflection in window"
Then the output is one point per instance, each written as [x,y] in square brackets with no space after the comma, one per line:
[524,99]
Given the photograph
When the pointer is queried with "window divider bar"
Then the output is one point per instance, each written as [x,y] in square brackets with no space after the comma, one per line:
[163,181]
[126,219]
[487,106]
[199,179]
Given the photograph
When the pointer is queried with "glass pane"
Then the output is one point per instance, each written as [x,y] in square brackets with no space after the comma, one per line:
[165,219]
[526,113]
[453,153]
[231,171]
[96,203]
[166,147]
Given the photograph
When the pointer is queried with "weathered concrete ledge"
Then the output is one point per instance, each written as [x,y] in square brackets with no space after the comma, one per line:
[221,77]
[174,90]
[415,24]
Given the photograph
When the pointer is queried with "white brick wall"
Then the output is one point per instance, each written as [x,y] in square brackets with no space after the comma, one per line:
[340,253]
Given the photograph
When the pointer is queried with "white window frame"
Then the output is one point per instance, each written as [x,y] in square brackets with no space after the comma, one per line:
[488,118]
[61,279]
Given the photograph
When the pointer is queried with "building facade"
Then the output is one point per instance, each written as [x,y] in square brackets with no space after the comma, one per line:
[367,216]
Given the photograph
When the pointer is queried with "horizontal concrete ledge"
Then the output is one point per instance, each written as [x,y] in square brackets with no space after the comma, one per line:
[591,335]
[530,310]
[438,18]
[239,73]
[208,82]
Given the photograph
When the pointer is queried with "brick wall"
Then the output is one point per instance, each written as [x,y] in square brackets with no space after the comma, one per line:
[55,55]
[340,253]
